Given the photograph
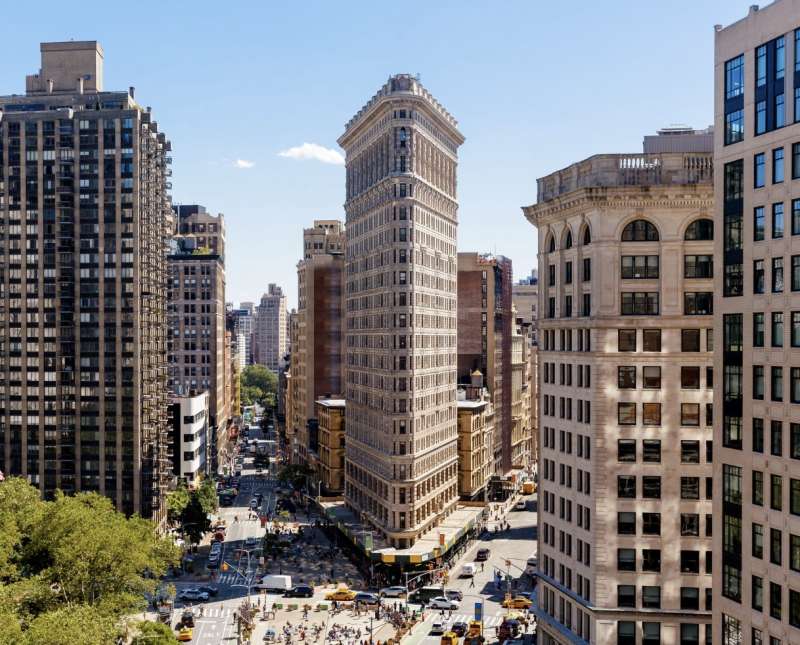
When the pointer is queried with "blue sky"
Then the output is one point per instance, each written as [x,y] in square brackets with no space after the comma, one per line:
[534,85]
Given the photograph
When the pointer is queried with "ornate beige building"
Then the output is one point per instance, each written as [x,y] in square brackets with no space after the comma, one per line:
[330,416]
[400,349]
[625,342]
[476,421]
[271,329]
[757,326]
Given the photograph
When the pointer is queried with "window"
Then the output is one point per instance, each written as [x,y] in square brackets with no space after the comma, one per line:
[794,440]
[635,267]
[758,382]
[777,220]
[758,276]
[639,303]
[732,432]
[776,493]
[758,434]
[761,117]
[568,240]
[690,378]
[690,525]
[626,377]
[651,450]
[698,303]
[777,275]
[776,437]
[758,488]
[758,541]
[698,266]
[796,329]
[775,592]
[794,552]
[587,269]
[690,598]
[651,597]
[758,223]
[651,339]
[626,414]
[734,77]
[626,450]
[794,496]
[757,593]
[626,340]
[651,523]
[626,632]
[690,488]
[626,523]
[759,170]
[640,231]
[551,275]
[795,273]
[651,377]
[626,486]
[700,229]
[780,57]
[776,383]
[651,560]
[690,562]
[734,126]
[651,633]
[795,161]
[690,452]
[758,330]
[651,414]
[690,414]
[777,165]
[777,329]
[587,236]
[651,487]
[626,596]
[568,272]
[626,559]
[690,340]
[794,385]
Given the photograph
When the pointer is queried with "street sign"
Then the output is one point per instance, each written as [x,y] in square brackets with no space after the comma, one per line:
[478,611]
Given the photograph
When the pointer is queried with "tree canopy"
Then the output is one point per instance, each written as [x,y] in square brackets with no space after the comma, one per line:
[72,568]
[190,509]
[258,385]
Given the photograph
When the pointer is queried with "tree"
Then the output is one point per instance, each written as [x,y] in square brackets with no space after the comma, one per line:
[259,385]
[207,496]
[195,520]
[150,633]
[73,625]
[177,501]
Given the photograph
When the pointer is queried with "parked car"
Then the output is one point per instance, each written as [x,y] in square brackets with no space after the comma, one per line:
[438,626]
[482,554]
[193,595]
[459,628]
[185,635]
[468,569]
[441,602]
[367,598]
[343,594]
[211,590]
[393,592]
[299,591]
[519,602]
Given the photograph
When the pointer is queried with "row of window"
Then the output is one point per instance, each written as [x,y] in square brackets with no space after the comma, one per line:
[777,282]
[651,451]
[651,340]
[582,340]
[732,436]
[650,597]
[651,377]
[651,413]
[651,484]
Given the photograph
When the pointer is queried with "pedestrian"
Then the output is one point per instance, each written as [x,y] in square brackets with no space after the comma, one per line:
[482,564]
[472,583]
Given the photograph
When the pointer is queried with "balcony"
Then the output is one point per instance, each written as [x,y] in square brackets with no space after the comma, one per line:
[619,170]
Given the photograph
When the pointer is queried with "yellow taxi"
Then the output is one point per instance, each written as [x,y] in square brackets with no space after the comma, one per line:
[185,634]
[520,602]
[342,594]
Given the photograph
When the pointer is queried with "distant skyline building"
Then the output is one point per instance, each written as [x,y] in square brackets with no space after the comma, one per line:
[196,312]
[270,329]
[625,357]
[86,216]
[241,325]
[401,468]
[756,590]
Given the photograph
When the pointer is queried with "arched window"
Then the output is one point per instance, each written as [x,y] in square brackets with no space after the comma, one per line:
[568,240]
[551,244]
[403,137]
[640,230]
[587,236]
[700,229]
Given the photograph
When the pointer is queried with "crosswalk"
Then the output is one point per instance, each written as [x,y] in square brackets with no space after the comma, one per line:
[216,612]
[233,578]
[488,621]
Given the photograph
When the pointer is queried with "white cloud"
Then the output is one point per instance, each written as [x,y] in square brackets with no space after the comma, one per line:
[243,163]
[314,151]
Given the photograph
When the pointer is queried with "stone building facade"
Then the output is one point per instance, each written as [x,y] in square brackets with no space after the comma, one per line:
[625,400]
[475,439]
[271,329]
[400,338]
[330,414]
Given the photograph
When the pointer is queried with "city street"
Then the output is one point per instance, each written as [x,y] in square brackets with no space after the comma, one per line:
[515,545]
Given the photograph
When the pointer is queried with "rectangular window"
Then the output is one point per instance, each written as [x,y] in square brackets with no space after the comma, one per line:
[626,450]
[780,57]
[651,523]
[777,329]
[761,65]
[758,276]
[690,452]
[651,450]
[758,223]
[757,593]
[776,494]
[777,165]
[690,488]
[794,496]
[690,414]
[776,437]
[568,273]
[758,329]
[796,329]
[698,266]
[758,382]
[698,303]
[777,275]
[758,435]
[626,414]
[651,414]
[626,523]
[626,340]
[587,269]
[626,559]
[734,126]
[777,220]
[690,340]
[732,432]
[794,440]
[651,560]
[639,267]
[651,377]
[775,600]
[796,216]
[690,598]
[776,383]
[651,597]
[639,303]
[690,525]
[758,488]
[759,170]
[626,377]
[626,486]
[690,378]
[780,111]
[794,552]
[758,541]
[761,117]
[651,340]
[795,272]
[651,487]
[734,77]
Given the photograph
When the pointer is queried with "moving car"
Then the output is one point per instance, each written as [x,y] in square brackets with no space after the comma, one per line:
[468,570]
[393,592]
[520,505]
[459,628]
[518,602]
[185,634]
[299,591]
[367,598]
[482,554]
[274,582]
[193,594]
[343,594]
[211,590]
[441,602]
[454,594]
[438,626]
[187,618]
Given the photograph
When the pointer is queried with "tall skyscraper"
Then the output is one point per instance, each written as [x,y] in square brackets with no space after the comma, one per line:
[625,342]
[270,329]
[197,317]
[316,363]
[757,323]
[485,323]
[86,218]
[400,349]
[241,326]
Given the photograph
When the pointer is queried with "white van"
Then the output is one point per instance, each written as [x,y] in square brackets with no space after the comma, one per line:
[531,565]
[438,626]
[468,570]
[275,583]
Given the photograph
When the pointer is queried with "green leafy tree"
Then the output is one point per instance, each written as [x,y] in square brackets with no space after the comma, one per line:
[195,520]
[150,633]
[177,501]
[207,495]
[72,625]
[259,385]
